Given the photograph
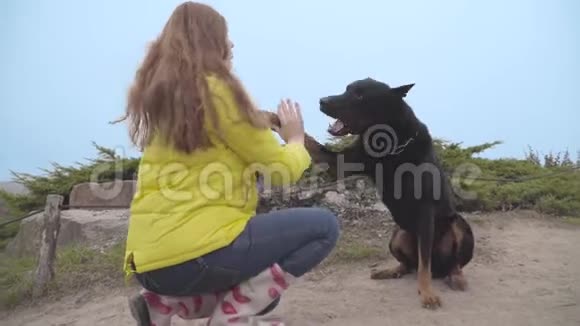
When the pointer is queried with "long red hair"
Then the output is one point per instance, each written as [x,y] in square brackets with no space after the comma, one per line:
[170,96]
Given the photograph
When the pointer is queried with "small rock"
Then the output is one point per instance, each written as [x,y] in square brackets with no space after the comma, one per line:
[334,198]
[380,207]
[307,194]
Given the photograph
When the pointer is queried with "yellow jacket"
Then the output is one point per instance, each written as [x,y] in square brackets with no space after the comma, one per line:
[188,205]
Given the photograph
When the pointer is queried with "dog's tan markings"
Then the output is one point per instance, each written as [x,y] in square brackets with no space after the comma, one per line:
[428,297]
[390,273]
[404,241]
[313,147]
[272,118]
[457,232]
[457,280]
[445,245]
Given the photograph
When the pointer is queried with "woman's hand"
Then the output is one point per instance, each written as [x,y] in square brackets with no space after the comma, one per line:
[291,123]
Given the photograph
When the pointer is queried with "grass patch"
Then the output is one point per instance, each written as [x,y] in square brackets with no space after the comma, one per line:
[76,268]
[354,252]
[79,267]
[351,248]
[573,220]
[15,280]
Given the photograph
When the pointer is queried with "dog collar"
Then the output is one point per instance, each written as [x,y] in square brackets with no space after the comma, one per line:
[401,148]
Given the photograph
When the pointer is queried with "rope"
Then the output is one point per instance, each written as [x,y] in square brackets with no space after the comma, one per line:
[63,207]
[3,224]
[94,207]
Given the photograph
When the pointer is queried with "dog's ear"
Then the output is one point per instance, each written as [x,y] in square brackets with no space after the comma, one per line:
[402,90]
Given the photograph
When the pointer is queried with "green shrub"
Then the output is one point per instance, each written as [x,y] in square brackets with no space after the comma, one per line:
[550,185]
[76,268]
[61,179]
[7,233]
[504,183]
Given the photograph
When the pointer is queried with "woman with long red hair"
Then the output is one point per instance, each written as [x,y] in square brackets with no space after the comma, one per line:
[195,242]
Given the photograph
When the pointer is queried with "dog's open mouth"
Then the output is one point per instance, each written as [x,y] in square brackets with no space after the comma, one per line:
[338,128]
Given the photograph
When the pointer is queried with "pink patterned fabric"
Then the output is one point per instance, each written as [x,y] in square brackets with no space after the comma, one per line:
[234,307]
[162,308]
[239,305]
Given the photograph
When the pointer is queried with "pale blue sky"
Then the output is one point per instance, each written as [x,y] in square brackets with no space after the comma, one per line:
[484,71]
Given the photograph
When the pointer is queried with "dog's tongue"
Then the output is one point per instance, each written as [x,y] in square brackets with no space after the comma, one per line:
[336,127]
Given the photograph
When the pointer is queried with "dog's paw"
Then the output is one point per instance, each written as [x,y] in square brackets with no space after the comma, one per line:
[429,299]
[386,274]
[457,282]
[272,118]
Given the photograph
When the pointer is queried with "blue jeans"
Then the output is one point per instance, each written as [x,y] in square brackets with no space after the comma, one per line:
[297,239]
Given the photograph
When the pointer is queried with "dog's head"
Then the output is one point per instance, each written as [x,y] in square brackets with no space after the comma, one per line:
[363,104]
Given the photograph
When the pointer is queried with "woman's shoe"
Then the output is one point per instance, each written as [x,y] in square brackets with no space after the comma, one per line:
[139,310]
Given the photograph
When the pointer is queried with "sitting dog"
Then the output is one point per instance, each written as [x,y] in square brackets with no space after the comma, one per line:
[395,149]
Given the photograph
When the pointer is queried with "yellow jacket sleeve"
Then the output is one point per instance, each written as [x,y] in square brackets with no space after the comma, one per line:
[280,165]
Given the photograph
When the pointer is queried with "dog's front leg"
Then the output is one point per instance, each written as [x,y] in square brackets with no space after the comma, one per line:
[321,155]
[318,152]
[346,163]
[426,225]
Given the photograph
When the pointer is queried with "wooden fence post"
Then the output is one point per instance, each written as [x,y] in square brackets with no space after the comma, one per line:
[45,268]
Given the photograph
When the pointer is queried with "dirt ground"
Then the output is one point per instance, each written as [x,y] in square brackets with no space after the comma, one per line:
[525,272]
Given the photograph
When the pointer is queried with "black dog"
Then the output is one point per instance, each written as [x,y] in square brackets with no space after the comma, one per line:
[395,149]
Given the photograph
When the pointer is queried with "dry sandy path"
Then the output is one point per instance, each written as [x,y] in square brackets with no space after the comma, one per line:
[526,272]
